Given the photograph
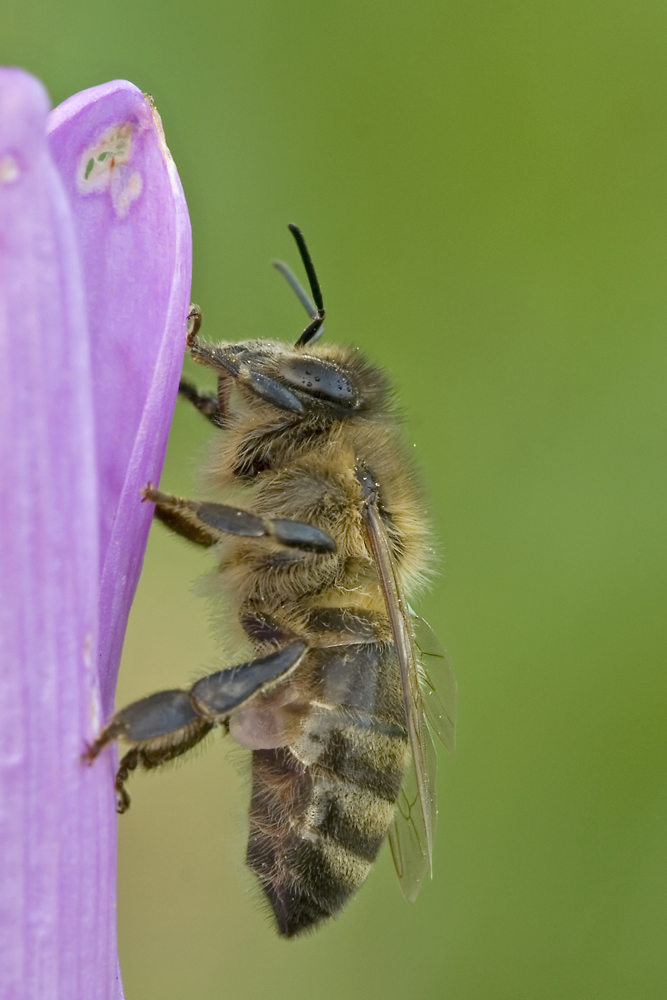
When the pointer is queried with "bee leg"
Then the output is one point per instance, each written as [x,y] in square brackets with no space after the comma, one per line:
[213,407]
[217,695]
[155,753]
[236,362]
[206,404]
[182,521]
[194,324]
[162,726]
[232,362]
[208,523]
[167,724]
[127,764]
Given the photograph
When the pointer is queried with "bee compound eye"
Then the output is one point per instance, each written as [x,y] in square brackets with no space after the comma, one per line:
[321,379]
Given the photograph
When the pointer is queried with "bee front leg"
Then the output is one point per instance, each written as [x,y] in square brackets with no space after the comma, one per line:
[168,724]
[207,404]
[229,364]
[213,407]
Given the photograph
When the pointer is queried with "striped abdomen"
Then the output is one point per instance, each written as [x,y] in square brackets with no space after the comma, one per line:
[321,807]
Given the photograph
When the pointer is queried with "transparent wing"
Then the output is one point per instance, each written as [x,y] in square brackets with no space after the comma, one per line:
[407,833]
[422,811]
[438,682]
[407,836]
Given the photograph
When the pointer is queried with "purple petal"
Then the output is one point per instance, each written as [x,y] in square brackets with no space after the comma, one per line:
[57,822]
[134,232]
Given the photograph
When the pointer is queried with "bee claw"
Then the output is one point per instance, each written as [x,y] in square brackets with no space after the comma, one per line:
[145,492]
[122,801]
[194,324]
[91,753]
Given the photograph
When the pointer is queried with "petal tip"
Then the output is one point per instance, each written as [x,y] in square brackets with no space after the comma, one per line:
[85,98]
[22,97]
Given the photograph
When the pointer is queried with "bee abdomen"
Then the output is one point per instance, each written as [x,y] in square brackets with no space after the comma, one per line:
[316,827]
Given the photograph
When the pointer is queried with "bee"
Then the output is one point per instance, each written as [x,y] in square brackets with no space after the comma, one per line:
[338,701]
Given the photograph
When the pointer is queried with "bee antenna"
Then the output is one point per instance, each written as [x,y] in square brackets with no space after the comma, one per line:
[296,286]
[314,329]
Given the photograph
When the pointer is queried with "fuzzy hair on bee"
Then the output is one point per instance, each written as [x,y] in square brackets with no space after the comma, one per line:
[333,703]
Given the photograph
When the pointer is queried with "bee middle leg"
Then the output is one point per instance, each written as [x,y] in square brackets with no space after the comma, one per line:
[207,523]
[167,724]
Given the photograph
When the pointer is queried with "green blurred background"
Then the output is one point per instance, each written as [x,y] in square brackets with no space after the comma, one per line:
[483,187]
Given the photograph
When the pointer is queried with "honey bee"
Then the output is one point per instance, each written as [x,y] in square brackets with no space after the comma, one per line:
[337,703]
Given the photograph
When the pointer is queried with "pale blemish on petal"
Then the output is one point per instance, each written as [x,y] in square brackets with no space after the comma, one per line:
[95,711]
[104,166]
[87,651]
[126,185]
[94,705]
[9,169]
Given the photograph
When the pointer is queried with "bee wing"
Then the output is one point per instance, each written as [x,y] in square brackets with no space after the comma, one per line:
[407,836]
[422,814]
[438,682]
[407,833]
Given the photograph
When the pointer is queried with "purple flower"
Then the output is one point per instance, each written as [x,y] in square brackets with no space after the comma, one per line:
[95,259]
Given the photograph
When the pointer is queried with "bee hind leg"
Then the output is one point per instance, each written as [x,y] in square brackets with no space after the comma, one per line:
[167,724]
[127,764]
[162,727]
[208,523]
